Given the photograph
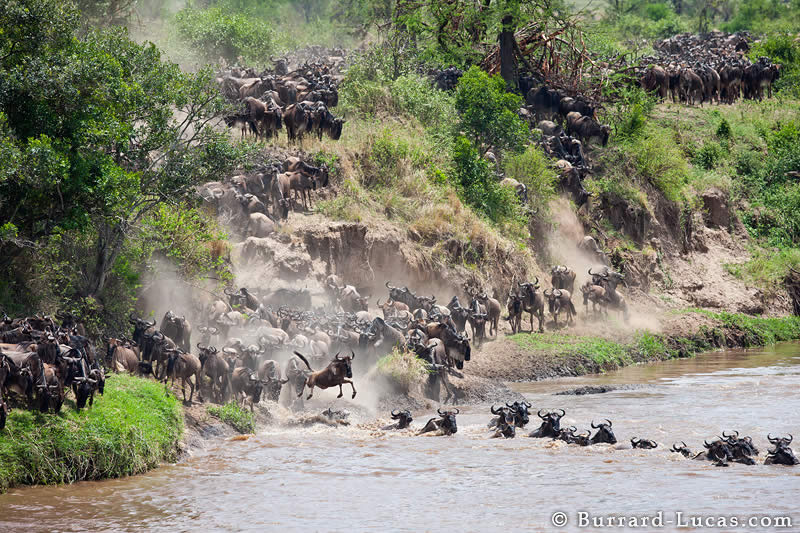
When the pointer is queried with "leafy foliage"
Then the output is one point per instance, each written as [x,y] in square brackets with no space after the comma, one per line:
[221,32]
[488,114]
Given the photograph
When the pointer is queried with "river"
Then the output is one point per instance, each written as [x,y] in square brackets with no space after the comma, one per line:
[359,479]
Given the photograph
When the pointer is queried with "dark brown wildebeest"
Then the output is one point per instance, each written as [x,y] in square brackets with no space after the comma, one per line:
[558,300]
[178,329]
[298,121]
[562,277]
[533,302]
[270,374]
[5,370]
[514,306]
[338,372]
[692,87]
[265,118]
[184,365]
[245,383]
[655,80]
[446,423]
[216,368]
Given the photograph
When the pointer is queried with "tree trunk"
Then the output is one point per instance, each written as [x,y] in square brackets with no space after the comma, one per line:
[109,244]
[508,59]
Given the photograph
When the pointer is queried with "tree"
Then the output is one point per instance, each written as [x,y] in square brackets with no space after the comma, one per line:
[488,114]
[96,132]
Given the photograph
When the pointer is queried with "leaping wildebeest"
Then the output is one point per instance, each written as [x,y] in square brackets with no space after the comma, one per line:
[338,372]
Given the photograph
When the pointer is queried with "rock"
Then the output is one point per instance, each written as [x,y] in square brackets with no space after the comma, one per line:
[717,213]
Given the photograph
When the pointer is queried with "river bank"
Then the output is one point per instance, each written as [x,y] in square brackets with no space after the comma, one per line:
[131,429]
[597,347]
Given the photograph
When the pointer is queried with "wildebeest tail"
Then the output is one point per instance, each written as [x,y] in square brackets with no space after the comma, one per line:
[302,357]
[572,308]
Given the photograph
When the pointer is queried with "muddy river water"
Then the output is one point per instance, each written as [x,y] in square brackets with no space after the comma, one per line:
[359,479]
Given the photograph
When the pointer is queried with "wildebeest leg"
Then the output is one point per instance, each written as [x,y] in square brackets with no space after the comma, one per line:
[340,391]
[302,387]
[351,384]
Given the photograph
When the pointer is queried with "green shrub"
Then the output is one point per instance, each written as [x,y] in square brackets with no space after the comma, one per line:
[242,420]
[658,159]
[784,49]
[414,95]
[532,168]
[132,428]
[724,130]
[488,114]
[630,112]
[220,32]
[709,155]
[403,368]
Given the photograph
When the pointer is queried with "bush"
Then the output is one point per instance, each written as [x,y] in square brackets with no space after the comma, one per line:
[659,159]
[239,419]
[414,96]
[488,114]
[709,155]
[532,168]
[478,187]
[631,110]
[219,32]
[403,368]
[782,48]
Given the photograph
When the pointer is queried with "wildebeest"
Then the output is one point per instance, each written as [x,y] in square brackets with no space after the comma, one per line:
[533,302]
[403,418]
[245,383]
[586,128]
[493,310]
[644,444]
[682,449]
[281,201]
[691,87]
[216,368]
[562,277]
[336,373]
[781,454]
[178,329]
[655,80]
[503,423]
[446,423]
[121,357]
[604,433]
[270,374]
[184,365]
[551,424]
[557,300]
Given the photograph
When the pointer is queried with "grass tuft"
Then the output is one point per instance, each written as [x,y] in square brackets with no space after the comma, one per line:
[232,414]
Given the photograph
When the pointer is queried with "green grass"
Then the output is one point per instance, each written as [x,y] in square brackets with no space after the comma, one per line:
[757,331]
[767,268]
[132,428]
[240,419]
[601,351]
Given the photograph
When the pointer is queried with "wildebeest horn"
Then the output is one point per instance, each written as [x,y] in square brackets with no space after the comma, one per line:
[590,271]
[496,411]
[609,422]
[440,411]
[200,346]
[706,444]
[545,414]
[378,302]
[790,438]
[593,425]
[528,405]
[537,281]
[735,434]
[457,411]
[395,414]
[771,438]
[548,295]
[352,354]
[511,405]
[389,286]
[563,412]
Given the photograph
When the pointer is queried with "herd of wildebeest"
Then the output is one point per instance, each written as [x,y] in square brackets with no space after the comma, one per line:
[247,348]
[726,449]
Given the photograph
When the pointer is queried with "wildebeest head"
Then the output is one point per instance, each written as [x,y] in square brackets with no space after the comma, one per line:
[682,449]
[447,421]
[644,444]
[551,423]
[403,418]
[254,388]
[146,368]
[604,433]
[139,327]
[718,450]
[742,449]
[782,454]
[344,364]
[521,415]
